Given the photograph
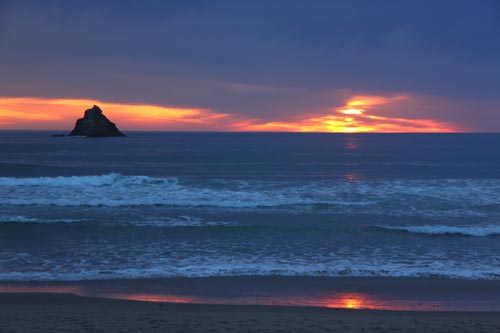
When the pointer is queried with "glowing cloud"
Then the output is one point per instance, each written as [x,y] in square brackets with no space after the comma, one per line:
[352,111]
[44,113]
[359,119]
[358,114]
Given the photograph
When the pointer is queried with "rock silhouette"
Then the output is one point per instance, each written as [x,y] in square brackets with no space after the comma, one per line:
[95,124]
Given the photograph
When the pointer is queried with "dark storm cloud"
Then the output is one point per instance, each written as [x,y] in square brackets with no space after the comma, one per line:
[266,59]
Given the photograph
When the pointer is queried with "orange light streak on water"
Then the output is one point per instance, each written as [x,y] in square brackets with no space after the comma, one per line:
[347,300]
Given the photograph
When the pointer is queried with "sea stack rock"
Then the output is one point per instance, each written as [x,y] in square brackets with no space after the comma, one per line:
[95,124]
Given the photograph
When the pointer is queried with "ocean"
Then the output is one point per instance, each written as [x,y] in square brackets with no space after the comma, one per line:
[168,205]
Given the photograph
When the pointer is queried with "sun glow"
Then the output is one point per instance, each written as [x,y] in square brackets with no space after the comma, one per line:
[362,117]
[358,114]
[352,111]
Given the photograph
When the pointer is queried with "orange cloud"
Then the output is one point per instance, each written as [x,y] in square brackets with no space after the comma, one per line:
[355,116]
[358,114]
[44,113]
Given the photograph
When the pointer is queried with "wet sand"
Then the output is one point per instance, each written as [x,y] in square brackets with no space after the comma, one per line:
[374,293]
[43,312]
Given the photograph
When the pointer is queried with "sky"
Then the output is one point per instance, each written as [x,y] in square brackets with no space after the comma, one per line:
[262,65]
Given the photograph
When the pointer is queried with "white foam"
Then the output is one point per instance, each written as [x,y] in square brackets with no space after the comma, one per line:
[117,190]
[477,230]
[73,181]
[435,269]
[179,221]
[24,219]
[457,197]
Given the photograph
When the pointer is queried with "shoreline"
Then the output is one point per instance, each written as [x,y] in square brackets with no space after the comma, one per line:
[374,293]
[40,312]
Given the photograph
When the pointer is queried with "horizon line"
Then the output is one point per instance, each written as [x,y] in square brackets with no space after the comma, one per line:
[256,132]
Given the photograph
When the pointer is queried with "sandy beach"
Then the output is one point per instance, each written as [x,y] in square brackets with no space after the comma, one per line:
[41,312]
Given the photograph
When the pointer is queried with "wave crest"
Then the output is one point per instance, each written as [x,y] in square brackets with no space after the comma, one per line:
[24,219]
[85,181]
[475,231]
[428,198]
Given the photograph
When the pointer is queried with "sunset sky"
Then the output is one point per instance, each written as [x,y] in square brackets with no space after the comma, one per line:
[281,65]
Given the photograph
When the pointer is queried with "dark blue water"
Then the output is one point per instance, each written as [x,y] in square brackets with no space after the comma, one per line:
[218,204]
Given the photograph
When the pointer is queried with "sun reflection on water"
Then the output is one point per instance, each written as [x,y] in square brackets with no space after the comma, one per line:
[353,177]
[341,300]
[162,298]
[351,143]
[351,301]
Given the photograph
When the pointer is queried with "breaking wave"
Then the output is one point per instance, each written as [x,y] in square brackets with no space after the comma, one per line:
[410,197]
[476,231]
[262,269]
[24,219]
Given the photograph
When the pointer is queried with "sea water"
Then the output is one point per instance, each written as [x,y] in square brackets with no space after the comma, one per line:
[156,205]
